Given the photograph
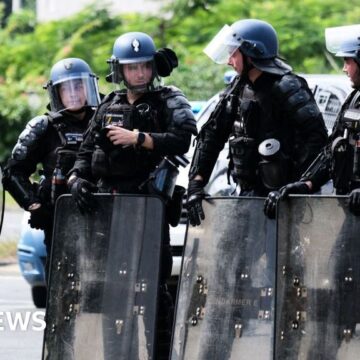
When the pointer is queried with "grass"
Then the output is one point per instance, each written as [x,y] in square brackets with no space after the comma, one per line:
[8,250]
[8,247]
[9,201]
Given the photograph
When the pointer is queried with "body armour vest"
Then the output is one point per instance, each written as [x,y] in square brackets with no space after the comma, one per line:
[243,139]
[345,147]
[125,161]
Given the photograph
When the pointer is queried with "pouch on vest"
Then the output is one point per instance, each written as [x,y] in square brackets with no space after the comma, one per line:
[274,168]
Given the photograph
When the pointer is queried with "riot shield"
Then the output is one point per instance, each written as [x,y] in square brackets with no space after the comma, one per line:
[225,299]
[2,201]
[103,284]
[318,280]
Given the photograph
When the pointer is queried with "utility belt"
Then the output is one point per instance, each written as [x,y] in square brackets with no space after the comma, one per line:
[122,162]
[161,182]
[265,162]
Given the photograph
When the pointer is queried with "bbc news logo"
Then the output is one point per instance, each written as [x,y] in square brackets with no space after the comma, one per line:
[22,321]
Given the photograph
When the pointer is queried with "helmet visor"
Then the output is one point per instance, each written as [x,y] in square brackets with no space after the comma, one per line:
[343,41]
[222,46]
[73,93]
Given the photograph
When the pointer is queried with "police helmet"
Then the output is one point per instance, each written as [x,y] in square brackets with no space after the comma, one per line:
[132,48]
[255,39]
[344,41]
[72,86]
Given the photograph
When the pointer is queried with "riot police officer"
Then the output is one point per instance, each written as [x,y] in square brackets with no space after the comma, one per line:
[52,140]
[131,132]
[340,159]
[268,114]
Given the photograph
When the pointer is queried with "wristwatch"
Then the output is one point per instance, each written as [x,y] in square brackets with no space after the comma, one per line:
[140,139]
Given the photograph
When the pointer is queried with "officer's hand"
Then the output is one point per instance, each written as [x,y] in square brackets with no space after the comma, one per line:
[299,187]
[40,217]
[270,204]
[195,196]
[81,191]
[354,202]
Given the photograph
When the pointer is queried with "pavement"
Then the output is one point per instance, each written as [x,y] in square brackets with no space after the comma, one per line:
[9,268]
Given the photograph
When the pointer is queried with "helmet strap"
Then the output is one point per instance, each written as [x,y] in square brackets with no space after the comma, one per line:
[247,66]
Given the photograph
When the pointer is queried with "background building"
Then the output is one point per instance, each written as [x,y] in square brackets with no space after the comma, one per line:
[47,10]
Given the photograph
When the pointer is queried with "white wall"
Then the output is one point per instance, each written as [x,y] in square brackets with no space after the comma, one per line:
[57,9]
[16,5]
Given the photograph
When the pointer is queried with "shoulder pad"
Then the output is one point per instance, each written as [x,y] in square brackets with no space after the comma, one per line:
[287,84]
[38,124]
[177,102]
[170,91]
[33,131]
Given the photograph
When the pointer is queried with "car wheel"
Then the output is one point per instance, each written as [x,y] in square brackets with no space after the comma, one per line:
[39,296]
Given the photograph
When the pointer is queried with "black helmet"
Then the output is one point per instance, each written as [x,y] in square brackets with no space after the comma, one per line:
[134,47]
[72,73]
[131,48]
[344,41]
[255,39]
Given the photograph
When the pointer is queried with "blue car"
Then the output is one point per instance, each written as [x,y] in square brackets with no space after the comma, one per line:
[31,254]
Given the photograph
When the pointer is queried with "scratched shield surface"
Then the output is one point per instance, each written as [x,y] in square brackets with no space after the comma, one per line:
[225,302]
[103,290]
[318,280]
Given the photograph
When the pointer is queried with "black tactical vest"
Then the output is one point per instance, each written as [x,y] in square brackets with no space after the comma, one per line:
[345,148]
[124,161]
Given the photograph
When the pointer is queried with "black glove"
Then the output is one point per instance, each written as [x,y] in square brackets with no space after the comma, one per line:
[81,191]
[270,204]
[354,202]
[195,196]
[298,187]
[41,218]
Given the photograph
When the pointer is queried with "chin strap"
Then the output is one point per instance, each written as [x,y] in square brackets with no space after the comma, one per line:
[247,67]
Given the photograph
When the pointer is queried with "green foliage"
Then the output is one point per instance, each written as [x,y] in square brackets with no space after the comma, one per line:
[21,22]
[28,49]
[16,108]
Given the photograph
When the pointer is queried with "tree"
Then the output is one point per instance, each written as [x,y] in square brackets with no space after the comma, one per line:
[29,49]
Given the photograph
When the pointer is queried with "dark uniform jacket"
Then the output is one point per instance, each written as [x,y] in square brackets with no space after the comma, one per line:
[279,107]
[340,159]
[164,113]
[39,143]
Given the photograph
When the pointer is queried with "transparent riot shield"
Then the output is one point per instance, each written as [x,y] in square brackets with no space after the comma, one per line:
[103,284]
[225,299]
[2,201]
[318,280]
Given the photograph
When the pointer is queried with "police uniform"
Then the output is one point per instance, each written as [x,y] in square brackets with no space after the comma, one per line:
[275,106]
[340,160]
[41,142]
[166,115]
[52,140]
